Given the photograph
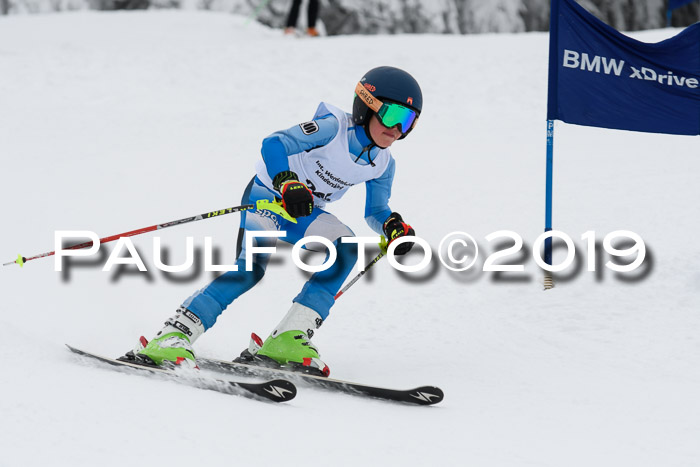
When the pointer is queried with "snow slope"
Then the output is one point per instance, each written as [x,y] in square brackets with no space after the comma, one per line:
[114,121]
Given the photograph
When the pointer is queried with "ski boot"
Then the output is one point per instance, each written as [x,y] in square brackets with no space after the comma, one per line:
[172,346]
[288,347]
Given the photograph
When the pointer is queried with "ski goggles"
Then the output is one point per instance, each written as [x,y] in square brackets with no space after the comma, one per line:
[390,114]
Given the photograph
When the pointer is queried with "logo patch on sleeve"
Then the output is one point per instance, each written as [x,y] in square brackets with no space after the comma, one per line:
[309,128]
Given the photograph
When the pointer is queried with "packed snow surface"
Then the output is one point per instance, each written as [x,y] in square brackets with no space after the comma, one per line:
[114,121]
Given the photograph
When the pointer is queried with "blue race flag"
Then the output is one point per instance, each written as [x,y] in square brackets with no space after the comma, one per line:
[673,4]
[602,78]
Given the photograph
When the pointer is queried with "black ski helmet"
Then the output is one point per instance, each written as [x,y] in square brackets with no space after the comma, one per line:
[387,83]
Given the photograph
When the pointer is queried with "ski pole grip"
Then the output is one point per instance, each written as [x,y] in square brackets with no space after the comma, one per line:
[275,207]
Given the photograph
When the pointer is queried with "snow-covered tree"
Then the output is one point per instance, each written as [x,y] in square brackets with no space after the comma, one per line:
[405,16]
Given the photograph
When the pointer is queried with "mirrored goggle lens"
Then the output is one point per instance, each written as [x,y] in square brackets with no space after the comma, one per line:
[395,114]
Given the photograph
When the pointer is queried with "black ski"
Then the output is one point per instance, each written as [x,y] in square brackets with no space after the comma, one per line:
[276,390]
[423,395]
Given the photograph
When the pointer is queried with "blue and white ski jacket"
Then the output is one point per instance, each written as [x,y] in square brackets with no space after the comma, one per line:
[330,154]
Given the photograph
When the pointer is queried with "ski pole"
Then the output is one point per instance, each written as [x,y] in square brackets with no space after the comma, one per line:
[263,204]
[382,253]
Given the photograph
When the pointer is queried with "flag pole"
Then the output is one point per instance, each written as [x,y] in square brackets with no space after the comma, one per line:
[548,280]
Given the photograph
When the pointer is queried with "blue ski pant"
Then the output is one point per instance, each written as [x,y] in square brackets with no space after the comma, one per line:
[318,292]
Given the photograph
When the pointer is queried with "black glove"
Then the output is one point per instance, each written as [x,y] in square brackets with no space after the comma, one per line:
[394,227]
[297,199]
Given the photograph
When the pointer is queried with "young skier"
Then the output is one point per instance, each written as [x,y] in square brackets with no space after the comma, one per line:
[306,166]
